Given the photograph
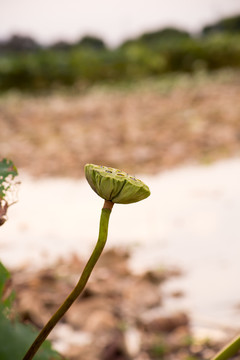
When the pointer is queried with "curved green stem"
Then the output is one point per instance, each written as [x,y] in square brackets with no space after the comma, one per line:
[103,231]
[229,350]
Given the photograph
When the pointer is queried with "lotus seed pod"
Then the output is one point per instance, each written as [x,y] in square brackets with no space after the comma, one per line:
[115,185]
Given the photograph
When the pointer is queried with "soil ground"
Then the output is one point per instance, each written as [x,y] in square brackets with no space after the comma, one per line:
[119,316]
[144,129]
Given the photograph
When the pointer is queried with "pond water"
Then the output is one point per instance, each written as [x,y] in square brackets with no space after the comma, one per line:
[190,221]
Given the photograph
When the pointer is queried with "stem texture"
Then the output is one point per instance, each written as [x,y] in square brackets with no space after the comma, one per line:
[102,238]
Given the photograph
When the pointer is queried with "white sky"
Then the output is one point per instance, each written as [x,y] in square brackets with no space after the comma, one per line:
[112,20]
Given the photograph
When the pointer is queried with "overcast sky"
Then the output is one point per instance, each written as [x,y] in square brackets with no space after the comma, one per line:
[113,20]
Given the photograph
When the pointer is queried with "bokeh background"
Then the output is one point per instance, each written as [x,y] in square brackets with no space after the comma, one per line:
[152,88]
[137,86]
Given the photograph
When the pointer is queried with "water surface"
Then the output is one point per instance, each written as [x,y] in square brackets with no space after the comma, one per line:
[190,221]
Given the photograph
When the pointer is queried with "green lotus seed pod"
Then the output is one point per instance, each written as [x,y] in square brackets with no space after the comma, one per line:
[115,185]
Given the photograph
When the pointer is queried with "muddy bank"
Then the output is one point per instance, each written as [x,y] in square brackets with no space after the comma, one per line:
[119,316]
[142,131]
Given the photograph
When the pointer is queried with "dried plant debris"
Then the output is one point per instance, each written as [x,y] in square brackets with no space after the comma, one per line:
[110,321]
[142,132]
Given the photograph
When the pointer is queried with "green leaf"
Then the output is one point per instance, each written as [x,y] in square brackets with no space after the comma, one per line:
[4,276]
[5,301]
[16,338]
[7,169]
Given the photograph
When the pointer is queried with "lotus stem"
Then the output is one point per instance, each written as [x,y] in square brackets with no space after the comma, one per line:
[229,350]
[102,238]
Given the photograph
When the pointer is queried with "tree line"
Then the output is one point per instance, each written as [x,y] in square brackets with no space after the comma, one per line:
[28,66]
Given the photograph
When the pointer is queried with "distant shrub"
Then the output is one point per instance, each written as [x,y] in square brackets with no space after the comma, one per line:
[164,34]
[18,43]
[230,25]
[92,42]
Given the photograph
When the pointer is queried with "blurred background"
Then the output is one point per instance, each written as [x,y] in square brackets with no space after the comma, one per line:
[152,88]
[156,85]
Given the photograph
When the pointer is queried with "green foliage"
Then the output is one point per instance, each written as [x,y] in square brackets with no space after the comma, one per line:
[19,43]
[164,35]
[230,25]
[4,277]
[92,42]
[7,173]
[89,62]
[15,338]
